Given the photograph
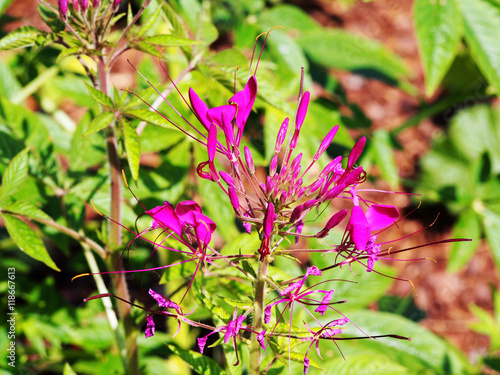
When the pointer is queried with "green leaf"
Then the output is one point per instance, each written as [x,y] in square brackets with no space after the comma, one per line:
[492,230]
[198,362]
[426,353]
[373,285]
[4,4]
[101,121]
[439,29]
[467,226]
[151,117]
[481,17]
[288,16]
[244,305]
[149,22]
[100,97]
[364,364]
[169,41]
[26,209]
[23,37]
[342,50]
[384,157]
[68,370]
[51,18]
[14,175]
[133,148]
[27,240]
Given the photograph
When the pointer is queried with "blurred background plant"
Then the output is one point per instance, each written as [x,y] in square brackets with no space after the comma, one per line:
[432,126]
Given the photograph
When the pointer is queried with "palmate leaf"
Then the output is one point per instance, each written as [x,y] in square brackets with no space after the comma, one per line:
[198,362]
[14,175]
[100,97]
[439,28]
[23,37]
[482,20]
[27,240]
[101,121]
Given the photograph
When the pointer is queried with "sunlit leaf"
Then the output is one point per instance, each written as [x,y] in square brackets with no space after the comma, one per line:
[467,226]
[27,240]
[439,29]
[14,175]
[169,41]
[481,17]
[133,148]
[101,121]
[23,37]
[100,97]
[198,362]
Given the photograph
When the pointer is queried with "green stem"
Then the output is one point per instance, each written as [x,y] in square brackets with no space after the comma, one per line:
[114,240]
[258,305]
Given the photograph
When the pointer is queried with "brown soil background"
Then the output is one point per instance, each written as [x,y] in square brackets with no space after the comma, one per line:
[445,297]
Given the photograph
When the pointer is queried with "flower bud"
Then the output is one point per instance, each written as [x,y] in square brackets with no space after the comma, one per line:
[233,197]
[63,8]
[281,136]
[273,166]
[335,220]
[227,179]
[84,4]
[326,142]
[249,160]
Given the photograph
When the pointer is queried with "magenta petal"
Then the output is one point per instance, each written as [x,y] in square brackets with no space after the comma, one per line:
[244,99]
[162,301]
[281,136]
[313,271]
[221,114]
[150,326]
[298,230]
[233,197]
[269,220]
[335,220]
[204,227]
[249,160]
[296,213]
[166,218]
[324,303]
[200,109]
[227,179]
[326,142]
[359,228]
[306,365]
[380,216]
[261,338]
[302,110]
[356,152]
[201,343]
[212,142]
[185,211]
[267,314]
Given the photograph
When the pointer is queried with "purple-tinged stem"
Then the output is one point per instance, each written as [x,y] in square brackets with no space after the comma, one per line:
[114,240]
[258,306]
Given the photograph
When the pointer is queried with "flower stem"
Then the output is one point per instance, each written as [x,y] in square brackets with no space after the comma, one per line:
[260,286]
[114,241]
